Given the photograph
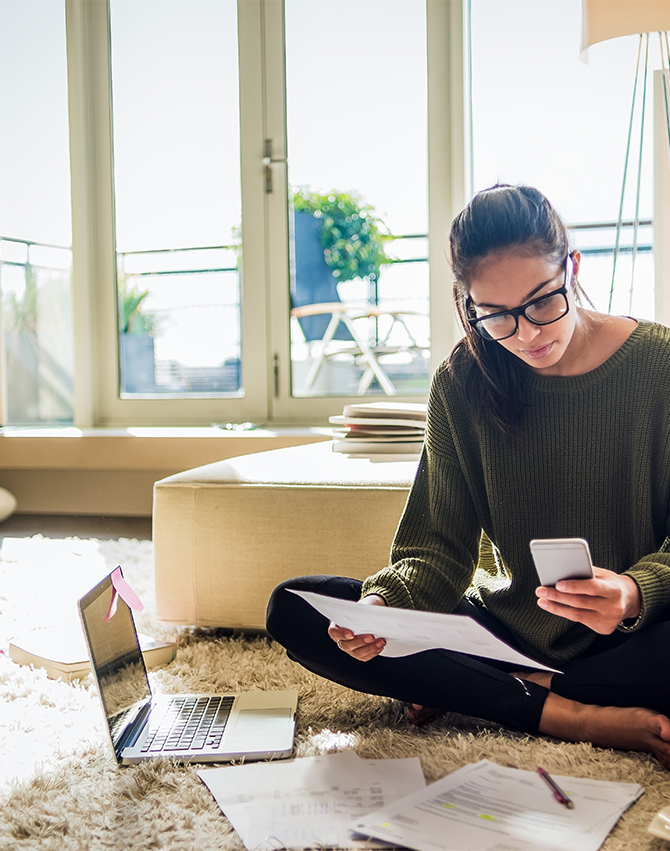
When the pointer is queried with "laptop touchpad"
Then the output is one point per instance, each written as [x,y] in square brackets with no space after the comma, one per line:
[262,728]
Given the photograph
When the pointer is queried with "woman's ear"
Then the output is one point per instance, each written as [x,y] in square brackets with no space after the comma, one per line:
[576,259]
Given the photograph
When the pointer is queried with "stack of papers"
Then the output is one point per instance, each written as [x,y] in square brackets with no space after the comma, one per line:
[381,430]
[484,807]
[308,803]
[323,801]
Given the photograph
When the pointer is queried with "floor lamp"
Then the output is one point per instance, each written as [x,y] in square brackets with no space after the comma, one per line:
[606,19]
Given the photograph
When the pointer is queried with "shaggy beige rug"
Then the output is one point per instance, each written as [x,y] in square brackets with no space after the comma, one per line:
[61,789]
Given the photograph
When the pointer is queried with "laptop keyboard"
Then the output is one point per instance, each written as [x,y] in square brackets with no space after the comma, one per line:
[190,723]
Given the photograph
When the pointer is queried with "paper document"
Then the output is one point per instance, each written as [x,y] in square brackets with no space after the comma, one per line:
[409,631]
[485,807]
[308,803]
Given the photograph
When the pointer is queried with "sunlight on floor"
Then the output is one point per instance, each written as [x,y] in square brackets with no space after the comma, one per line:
[43,591]
[41,580]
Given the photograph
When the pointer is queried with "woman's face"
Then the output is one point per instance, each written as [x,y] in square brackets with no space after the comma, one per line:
[507,280]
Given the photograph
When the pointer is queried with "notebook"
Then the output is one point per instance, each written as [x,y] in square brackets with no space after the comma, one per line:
[194,727]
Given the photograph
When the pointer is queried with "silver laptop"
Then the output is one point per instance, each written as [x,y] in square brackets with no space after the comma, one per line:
[193,727]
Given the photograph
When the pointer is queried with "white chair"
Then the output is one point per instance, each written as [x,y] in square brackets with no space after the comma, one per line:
[333,328]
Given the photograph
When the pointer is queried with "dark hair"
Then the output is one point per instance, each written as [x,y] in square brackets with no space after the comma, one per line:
[502,218]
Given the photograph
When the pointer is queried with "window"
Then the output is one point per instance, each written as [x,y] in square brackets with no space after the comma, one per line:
[159,162]
[213,126]
[35,228]
[191,134]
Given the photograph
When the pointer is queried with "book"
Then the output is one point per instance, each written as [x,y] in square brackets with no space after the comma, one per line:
[63,654]
[381,458]
[367,447]
[394,430]
[375,421]
[355,429]
[383,415]
[379,438]
[387,410]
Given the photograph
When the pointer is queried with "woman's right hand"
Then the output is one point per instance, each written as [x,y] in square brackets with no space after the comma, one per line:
[361,647]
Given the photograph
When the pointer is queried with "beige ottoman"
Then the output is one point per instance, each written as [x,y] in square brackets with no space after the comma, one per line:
[227,533]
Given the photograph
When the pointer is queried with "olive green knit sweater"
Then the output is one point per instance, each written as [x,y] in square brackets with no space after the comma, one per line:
[592,461]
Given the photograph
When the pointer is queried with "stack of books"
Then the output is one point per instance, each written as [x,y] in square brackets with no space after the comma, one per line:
[62,652]
[381,431]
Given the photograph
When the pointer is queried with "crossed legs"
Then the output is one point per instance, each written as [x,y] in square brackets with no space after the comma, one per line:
[617,696]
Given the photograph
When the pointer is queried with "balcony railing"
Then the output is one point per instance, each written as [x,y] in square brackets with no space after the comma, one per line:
[35,280]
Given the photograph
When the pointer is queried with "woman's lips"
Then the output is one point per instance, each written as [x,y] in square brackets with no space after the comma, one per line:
[537,354]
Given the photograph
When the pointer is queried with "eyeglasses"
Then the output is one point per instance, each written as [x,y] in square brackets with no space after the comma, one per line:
[540,311]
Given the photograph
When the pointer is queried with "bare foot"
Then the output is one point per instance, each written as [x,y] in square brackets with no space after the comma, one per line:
[420,715]
[624,728]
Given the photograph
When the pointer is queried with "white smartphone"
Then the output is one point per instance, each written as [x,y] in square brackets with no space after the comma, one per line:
[561,558]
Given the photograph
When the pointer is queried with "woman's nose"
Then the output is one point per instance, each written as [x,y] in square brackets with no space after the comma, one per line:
[526,330]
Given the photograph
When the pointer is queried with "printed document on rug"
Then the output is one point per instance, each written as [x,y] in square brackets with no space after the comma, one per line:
[410,631]
[308,802]
[486,807]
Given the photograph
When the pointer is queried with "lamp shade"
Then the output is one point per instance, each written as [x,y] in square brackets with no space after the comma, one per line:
[605,19]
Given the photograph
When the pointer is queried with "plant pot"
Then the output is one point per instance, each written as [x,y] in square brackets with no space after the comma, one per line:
[138,363]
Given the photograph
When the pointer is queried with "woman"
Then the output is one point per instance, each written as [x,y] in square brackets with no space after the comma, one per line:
[548,420]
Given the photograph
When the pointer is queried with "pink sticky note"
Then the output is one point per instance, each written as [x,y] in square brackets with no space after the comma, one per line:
[123,590]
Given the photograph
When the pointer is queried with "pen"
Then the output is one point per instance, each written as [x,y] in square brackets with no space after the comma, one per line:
[557,792]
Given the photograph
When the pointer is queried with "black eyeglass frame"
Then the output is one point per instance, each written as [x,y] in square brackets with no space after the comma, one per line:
[516,312]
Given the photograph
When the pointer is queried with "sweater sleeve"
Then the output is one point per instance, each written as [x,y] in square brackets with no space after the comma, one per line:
[651,572]
[435,550]
[652,576]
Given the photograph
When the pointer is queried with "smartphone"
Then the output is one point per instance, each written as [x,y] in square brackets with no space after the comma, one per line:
[561,558]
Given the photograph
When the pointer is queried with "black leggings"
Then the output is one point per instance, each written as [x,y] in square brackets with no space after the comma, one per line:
[621,669]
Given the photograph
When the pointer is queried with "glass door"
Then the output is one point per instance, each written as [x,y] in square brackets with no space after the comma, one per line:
[357,205]
[177,161]
[271,158]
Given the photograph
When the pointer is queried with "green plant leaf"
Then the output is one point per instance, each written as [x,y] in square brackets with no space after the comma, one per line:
[353,237]
[134,320]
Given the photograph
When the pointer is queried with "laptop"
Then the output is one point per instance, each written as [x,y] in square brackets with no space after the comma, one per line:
[193,727]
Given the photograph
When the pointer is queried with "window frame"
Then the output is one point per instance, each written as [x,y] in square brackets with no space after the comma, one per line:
[265,269]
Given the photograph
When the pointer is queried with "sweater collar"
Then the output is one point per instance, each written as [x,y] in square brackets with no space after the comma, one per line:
[573,383]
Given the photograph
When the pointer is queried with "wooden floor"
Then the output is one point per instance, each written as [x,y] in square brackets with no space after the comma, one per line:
[65,526]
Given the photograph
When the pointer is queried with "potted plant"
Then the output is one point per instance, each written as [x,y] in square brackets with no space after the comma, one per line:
[337,238]
[352,236]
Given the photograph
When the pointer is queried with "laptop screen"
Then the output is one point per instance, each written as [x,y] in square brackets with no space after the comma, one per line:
[116,657]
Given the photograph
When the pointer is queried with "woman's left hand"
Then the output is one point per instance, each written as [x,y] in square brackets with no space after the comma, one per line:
[600,603]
